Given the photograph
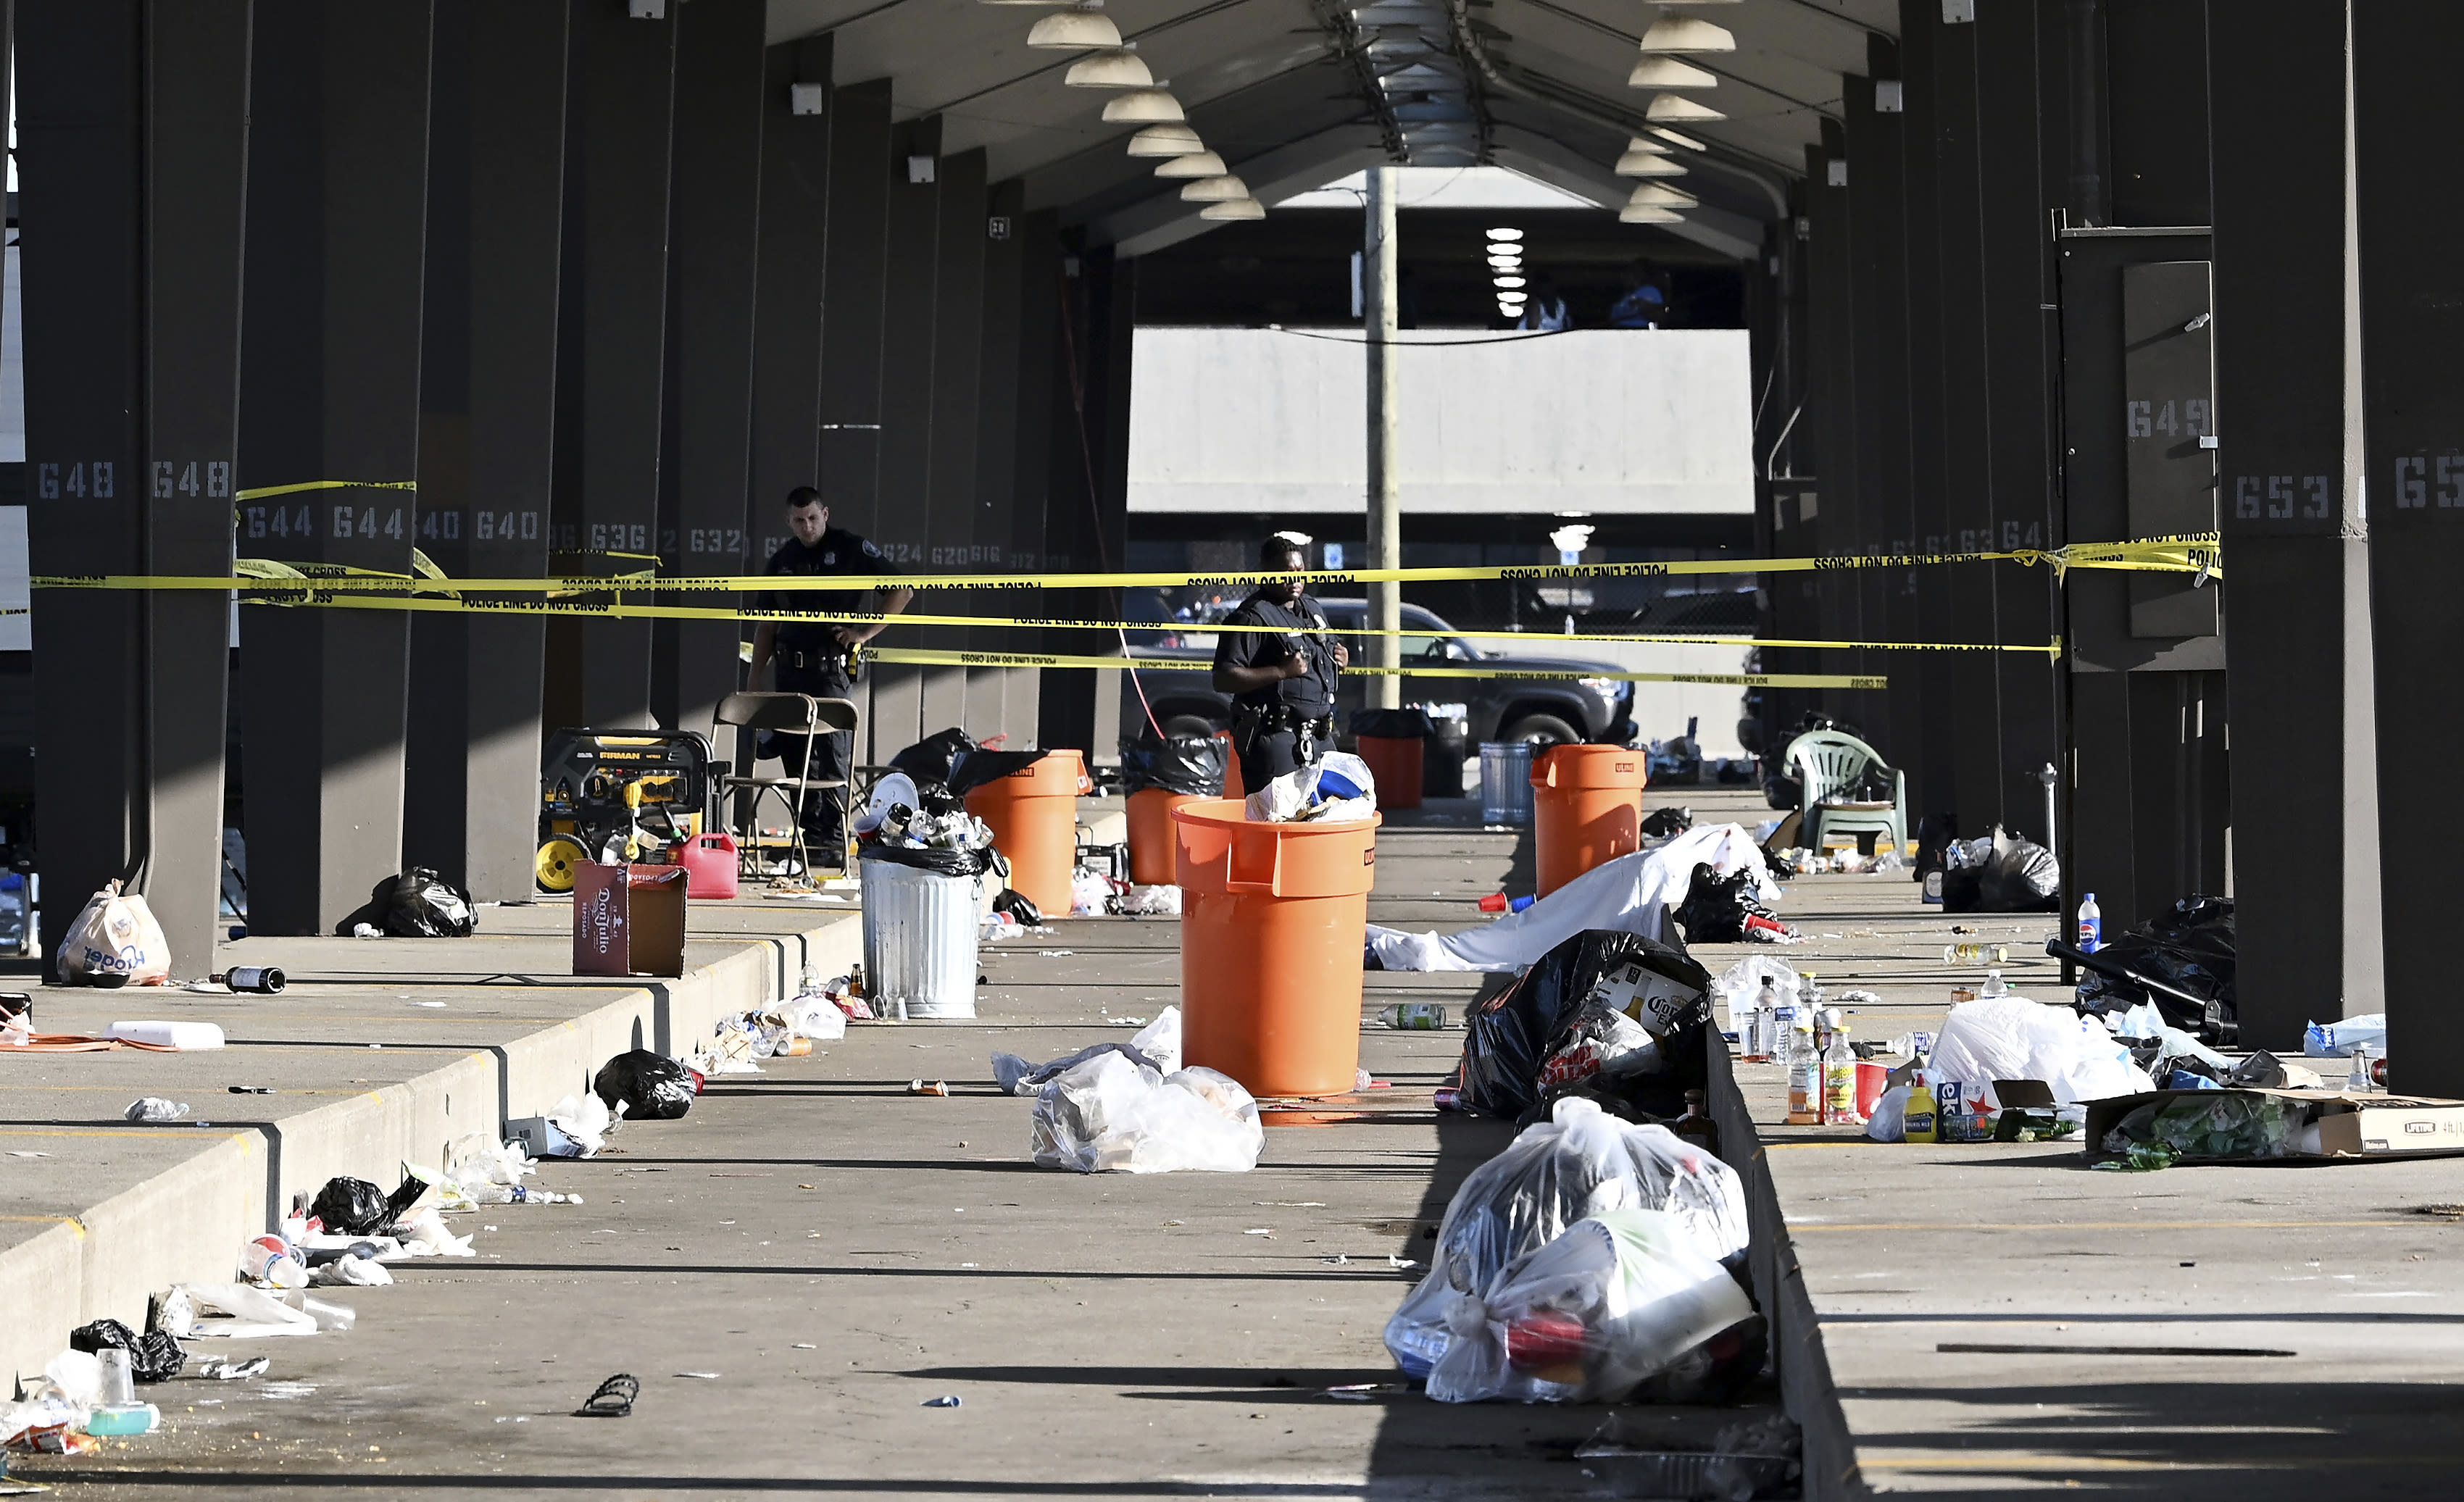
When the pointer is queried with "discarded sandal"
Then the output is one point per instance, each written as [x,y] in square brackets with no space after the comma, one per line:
[613,1399]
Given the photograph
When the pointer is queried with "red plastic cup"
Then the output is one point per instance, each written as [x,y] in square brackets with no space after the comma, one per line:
[1870,1079]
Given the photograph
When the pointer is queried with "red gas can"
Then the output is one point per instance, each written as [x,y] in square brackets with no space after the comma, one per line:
[710,867]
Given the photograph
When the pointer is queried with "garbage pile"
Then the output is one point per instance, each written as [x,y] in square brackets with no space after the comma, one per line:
[2181,961]
[1133,1108]
[2000,873]
[1612,1017]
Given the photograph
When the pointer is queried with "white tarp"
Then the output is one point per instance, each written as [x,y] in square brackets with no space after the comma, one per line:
[1632,894]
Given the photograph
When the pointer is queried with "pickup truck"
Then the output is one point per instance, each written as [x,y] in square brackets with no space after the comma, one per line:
[1548,710]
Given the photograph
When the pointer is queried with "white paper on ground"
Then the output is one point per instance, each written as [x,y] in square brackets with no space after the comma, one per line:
[1632,894]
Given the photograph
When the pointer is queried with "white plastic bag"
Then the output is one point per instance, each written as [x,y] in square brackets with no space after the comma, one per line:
[252,1311]
[1153,902]
[1587,1318]
[1337,786]
[1090,893]
[815,1017]
[1158,1044]
[1580,1164]
[1889,1122]
[585,1119]
[2339,1040]
[1111,1114]
[114,941]
[2010,1037]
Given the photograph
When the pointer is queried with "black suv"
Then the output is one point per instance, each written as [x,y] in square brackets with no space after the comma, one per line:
[1594,709]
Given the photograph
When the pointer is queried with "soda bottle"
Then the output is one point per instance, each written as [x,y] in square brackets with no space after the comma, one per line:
[1804,1075]
[2091,925]
[1840,1080]
[1414,1016]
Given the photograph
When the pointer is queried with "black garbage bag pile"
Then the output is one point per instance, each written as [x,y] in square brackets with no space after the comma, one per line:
[1189,765]
[2190,949]
[1661,822]
[947,765]
[348,1207]
[1716,906]
[416,905]
[154,1357]
[2001,873]
[1610,1015]
[644,1086]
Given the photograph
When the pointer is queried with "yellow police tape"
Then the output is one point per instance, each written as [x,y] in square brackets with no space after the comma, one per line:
[2191,554]
[327,485]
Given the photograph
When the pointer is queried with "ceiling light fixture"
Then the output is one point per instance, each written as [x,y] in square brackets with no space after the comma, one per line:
[1143,107]
[1677,106]
[1675,140]
[1165,141]
[1648,163]
[1111,68]
[1661,195]
[1074,30]
[1233,209]
[1668,72]
[1507,282]
[1198,164]
[1223,189]
[1647,214]
[1686,34]
[1506,234]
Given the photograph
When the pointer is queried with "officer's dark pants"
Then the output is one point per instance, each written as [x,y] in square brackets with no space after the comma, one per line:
[1268,756]
[825,832]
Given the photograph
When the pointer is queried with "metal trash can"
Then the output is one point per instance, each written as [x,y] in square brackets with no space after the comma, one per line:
[921,918]
[1506,782]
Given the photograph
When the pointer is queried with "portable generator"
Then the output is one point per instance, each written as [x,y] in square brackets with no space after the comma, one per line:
[618,793]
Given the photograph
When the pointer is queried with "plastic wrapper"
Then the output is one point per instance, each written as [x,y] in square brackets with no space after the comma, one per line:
[1189,765]
[1111,1114]
[1610,1302]
[1579,1163]
[645,1086]
[1337,787]
[416,905]
[2010,1037]
[1156,1046]
[1559,1001]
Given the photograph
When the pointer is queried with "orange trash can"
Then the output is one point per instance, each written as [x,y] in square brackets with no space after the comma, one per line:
[1395,763]
[1034,816]
[1151,842]
[1272,924]
[1585,810]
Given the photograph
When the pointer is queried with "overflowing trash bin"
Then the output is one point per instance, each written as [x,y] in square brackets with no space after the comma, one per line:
[922,919]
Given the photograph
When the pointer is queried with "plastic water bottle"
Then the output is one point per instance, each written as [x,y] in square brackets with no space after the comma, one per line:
[1975,955]
[2091,925]
[1756,1033]
[1804,1075]
[1993,986]
[1840,1080]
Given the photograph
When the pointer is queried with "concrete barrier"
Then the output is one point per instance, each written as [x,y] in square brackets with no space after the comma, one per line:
[185,1223]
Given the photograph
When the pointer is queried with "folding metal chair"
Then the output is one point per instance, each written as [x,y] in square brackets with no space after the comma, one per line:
[789,714]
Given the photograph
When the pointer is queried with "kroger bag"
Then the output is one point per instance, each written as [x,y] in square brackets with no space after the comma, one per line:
[1580,1164]
[115,942]
[1611,1302]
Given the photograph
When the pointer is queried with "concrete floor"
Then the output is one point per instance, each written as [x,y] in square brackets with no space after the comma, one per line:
[837,1250]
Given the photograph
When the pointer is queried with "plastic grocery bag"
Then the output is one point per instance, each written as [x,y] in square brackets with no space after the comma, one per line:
[1156,1045]
[2339,1040]
[1579,1163]
[2010,1037]
[115,941]
[1337,786]
[1610,1302]
[1109,1114]
[1889,1122]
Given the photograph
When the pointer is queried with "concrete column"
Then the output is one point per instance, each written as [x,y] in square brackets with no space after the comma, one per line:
[989,690]
[909,343]
[1823,511]
[337,158]
[81,211]
[1878,251]
[2298,658]
[627,79]
[1925,590]
[725,108]
[853,304]
[1380,296]
[1088,505]
[2410,294]
[487,434]
[196,198]
[949,497]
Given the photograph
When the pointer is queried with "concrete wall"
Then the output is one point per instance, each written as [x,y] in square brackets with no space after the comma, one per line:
[1600,421]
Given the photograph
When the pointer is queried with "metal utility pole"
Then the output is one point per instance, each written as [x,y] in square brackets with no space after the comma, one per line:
[1377,299]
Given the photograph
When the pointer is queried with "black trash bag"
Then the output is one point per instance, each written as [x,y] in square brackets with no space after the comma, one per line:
[1189,765]
[1514,1032]
[2190,948]
[1653,1093]
[980,766]
[936,756]
[1661,822]
[416,905]
[1716,906]
[2006,874]
[647,1086]
[347,1207]
[1015,905]
[1409,724]
[929,857]
[152,1358]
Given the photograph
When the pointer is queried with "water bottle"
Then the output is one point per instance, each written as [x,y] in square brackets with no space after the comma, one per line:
[1993,986]
[1804,1075]
[2091,925]
[1975,955]
[1840,1080]
[1414,1016]
[1755,1035]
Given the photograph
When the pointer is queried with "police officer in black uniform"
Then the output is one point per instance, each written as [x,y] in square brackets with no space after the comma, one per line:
[1281,682]
[813,656]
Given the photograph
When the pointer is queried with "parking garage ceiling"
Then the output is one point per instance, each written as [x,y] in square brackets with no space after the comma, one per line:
[1292,93]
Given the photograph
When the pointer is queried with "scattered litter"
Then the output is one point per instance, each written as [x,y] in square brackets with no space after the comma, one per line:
[1336,1261]
[708,1377]
[949,1401]
[252,1090]
[918,1087]
[1111,1113]
[225,1369]
[1156,1045]
[428,1004]
[1261,1231]
[154,1108]
[25,1152]
[804,1345]
[1400,1263]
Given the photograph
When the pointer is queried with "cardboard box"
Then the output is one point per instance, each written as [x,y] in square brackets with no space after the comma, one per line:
[629,920]
[2349,1125]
